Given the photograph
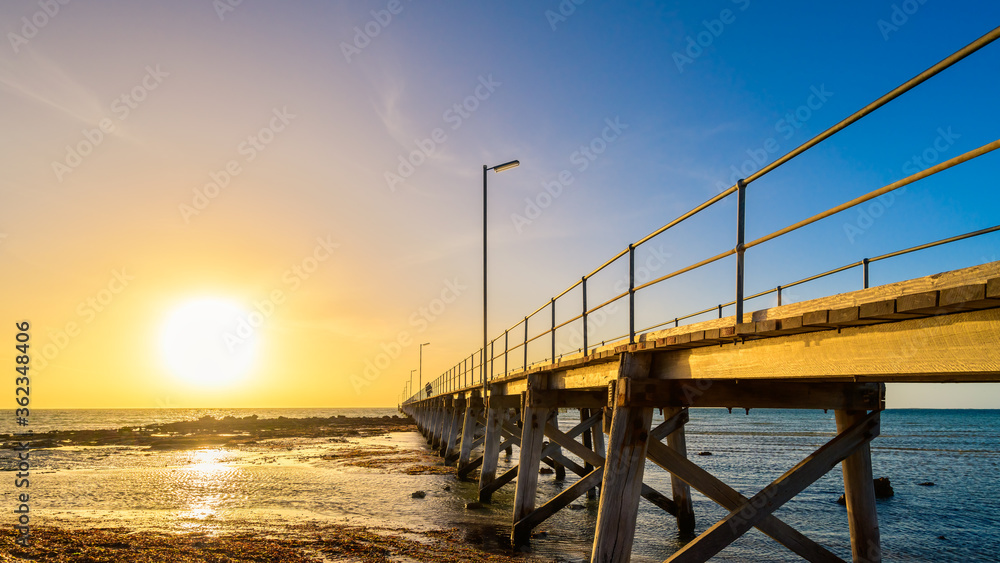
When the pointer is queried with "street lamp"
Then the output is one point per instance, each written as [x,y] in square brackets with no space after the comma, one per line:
[411,381]
[497,168]
[421,365]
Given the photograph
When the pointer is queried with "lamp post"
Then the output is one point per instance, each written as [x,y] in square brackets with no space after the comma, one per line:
[421,365]
[411,381]
[498,168]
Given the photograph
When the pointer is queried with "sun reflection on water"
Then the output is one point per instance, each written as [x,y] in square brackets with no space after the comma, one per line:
[206,484]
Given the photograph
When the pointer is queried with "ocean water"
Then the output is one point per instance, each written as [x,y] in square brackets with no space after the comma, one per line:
[276,483]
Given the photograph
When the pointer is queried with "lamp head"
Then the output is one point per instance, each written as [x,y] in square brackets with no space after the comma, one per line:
[507,166]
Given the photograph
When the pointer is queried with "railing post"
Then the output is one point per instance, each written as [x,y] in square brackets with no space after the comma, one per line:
[584,282]
[631,294]
[492,354]
[720,310]
[741,209]
[505,350]
[525,343]
[779,296]
[553,330]
[864,267]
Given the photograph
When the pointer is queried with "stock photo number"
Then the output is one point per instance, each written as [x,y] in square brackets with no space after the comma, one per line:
[22,363]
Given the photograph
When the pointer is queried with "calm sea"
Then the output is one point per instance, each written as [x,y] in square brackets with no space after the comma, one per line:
[956,519]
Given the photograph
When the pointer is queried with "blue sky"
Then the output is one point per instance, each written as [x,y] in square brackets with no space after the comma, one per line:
[367,87]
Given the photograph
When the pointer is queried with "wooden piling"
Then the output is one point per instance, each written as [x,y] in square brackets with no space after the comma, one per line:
[560,468]
[491,450]
[455,415]
[468,431]
[859,491]
[532,435]
[681,490]
[623,469]
[588,443]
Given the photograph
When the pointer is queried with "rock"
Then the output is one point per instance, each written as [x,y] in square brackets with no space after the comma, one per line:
[540,534]
[926,484]
[576,507]
[545,471]
[704,453]
[447,487]
[942,538]
[418,494]
[883,489]
[474,506]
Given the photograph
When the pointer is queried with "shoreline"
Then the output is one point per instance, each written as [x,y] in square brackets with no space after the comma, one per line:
[214,432]
[244,539]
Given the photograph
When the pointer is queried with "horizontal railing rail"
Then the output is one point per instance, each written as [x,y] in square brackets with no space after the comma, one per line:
[463,374]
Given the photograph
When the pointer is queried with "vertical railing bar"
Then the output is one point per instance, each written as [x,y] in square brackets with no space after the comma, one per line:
[525,343]
[631,294]
[864,268]
[553,330]
[506,349]
[779,296]
[740,239]
[584,283]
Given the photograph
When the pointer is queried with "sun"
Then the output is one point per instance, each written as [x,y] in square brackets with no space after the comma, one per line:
[208,342]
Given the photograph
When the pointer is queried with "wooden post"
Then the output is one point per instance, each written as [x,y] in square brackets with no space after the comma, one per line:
[457,410]
[681,490]
[588,443]
[532,435]
[859,492]
[560,469]
[439,417]
[597,435]
[509,450]
[468,433]
[430,414]
[622,483]
[491,451]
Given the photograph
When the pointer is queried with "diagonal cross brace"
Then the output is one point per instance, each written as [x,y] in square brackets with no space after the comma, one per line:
[794,481]
[730,499]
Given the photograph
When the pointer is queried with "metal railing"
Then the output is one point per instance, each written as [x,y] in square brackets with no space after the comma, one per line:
[468,373]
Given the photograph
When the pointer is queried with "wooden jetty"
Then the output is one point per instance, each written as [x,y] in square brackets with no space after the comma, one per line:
[834,353]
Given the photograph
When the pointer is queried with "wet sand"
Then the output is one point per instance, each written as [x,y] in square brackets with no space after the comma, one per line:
[311,542]
[305,544]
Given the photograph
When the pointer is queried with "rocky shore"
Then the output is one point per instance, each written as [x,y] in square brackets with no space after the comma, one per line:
[212,432]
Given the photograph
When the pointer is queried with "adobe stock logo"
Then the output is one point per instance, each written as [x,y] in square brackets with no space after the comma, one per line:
[31,27]
[365,34]
[899,17]
[582,158]
[456,115]
[122,107]
[700,41]
[420,319]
